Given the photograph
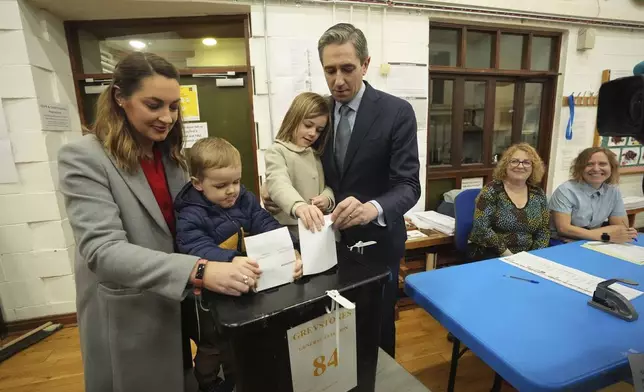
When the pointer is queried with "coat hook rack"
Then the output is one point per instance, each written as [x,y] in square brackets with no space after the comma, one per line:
[587,99]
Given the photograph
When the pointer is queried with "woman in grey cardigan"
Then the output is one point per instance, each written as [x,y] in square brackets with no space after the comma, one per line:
[294,175]
[118,183]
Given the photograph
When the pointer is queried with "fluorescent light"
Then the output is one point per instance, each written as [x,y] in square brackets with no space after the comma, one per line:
[137,44]
[209,41]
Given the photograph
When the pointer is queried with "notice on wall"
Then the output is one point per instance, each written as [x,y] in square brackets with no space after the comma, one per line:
[419,104]
[54,117]
[193,132]
[472,183]
[620,73]
[189,103]
[407,80]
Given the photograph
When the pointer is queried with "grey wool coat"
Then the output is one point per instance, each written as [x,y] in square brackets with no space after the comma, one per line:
[129,284]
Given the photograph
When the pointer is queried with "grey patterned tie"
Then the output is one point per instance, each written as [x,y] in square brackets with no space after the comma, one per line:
[342,136]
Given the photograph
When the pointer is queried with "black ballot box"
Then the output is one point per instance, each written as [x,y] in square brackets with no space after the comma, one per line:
[256,324]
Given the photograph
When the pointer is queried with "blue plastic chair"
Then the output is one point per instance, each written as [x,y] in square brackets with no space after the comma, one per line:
[464,206]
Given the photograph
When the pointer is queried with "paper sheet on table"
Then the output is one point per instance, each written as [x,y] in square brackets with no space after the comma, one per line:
[563,275]
[627,252]
[317,248]
[415,234]
[275,255]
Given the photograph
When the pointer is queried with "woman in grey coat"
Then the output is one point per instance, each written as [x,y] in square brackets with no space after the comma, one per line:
[118,183]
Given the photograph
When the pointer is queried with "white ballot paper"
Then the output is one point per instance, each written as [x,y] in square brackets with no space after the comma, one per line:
[318,248]
[275,255]
[564,275]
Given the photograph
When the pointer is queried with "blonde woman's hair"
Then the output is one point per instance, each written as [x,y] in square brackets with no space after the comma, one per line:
[111,126]
[212,153]
[305,106]
[579,164]
[538,168]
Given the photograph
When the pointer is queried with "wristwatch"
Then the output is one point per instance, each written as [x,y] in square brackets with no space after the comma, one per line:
[198,283]
[605,237]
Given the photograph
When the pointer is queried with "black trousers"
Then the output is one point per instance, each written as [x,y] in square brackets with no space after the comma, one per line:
[188,329]
[385,255]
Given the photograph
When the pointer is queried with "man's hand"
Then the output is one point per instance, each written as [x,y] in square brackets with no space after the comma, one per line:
[351,212]
[268,202]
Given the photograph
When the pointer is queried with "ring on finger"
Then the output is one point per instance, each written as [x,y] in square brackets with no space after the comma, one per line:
[245,280]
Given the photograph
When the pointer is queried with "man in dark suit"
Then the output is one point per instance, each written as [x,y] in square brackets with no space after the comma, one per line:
[370,161]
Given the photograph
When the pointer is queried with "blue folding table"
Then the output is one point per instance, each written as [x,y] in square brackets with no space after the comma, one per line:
[538,337]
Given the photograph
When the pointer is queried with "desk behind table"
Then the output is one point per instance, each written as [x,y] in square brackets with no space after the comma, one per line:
[421,254]
[256,324]
[632,213]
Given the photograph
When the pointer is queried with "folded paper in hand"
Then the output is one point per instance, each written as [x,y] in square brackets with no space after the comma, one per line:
[275,255]
[317,248]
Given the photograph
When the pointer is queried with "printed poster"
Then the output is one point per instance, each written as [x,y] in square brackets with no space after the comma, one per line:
[323,353]
[189,103]
[193,132]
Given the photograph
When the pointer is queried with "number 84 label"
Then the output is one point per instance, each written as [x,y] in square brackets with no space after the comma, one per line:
[323,353]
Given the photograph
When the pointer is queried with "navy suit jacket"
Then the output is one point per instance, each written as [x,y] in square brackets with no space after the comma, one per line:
[381,163]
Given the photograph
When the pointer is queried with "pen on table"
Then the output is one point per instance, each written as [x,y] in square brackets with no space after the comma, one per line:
[634,239]
[524,279]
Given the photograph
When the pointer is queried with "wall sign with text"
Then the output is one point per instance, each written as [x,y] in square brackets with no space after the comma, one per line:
[322,360]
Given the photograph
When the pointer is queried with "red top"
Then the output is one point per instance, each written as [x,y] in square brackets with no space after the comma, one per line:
[155,173]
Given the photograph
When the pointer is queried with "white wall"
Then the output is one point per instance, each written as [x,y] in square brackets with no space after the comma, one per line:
[291,28]
[616,50]
[293,33]
[36,242]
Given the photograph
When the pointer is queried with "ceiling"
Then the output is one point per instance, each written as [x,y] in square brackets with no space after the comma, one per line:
[131,9]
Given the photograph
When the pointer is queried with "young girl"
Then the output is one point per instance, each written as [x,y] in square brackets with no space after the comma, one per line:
[294,175]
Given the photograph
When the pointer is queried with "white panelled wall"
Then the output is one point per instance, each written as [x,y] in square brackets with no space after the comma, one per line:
[36,242]
[389,41]
[290,28]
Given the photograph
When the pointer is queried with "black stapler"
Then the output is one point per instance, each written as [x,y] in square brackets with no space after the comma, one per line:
[610,301]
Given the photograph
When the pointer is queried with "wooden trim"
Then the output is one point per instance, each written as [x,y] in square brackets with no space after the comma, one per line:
[488,124]
[438,69]
[458,115]
[462,48]
[496,51]
[102,76]
[73,50]
[527,53]
[101,23]
[249,77]
[495,27]
[631,170]
[548,105]
[555,57]
[21,326]
[479,171]
[182,72]
[519,108]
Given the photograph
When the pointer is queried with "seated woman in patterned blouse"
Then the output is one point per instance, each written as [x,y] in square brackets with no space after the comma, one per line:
[511,213]
[590,205]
